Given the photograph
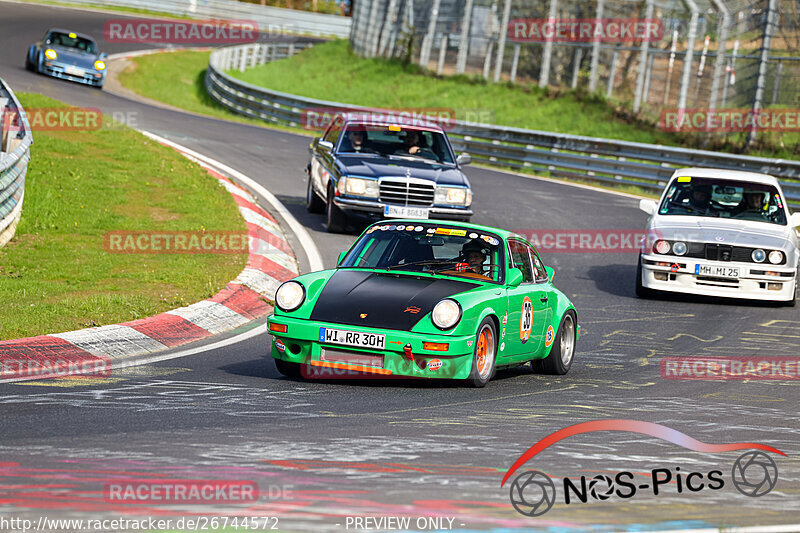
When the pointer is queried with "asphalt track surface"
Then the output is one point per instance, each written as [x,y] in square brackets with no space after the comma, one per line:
[325,452]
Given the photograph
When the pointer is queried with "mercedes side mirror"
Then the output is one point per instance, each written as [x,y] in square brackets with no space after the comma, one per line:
[325,144]
[463,159]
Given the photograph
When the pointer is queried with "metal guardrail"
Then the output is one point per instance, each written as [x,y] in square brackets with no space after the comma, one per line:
[15,144]
[269,19]
[573,156]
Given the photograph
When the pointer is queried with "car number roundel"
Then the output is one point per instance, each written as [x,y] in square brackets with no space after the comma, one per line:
[526,320]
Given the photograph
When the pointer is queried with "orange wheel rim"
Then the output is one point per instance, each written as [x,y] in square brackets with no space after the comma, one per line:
[483,342]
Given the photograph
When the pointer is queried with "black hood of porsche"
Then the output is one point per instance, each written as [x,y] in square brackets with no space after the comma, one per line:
[387,300]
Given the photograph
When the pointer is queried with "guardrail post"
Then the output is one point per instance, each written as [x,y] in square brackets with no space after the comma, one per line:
[487,61]
[242,58]
[776,83]
[646,90]
[547,55]
[388,27]
[593,75]
[576,66]
[613,73]
[686,77]
[761,82]
[515,63]
[427,42]
[373,30]
[501,46]
[463,44]
[637,98]
[719,62]
[442,53]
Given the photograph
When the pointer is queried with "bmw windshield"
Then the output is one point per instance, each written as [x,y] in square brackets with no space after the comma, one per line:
[429,248]
[709,197]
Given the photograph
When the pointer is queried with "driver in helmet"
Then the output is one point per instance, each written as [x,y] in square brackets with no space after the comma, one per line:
[475,253]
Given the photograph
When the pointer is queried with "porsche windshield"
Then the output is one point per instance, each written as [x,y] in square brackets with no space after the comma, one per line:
[70,40]
[396,141]
[430,248]
[709,197]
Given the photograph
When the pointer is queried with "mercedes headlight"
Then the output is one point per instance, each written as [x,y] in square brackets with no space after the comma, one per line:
[99,65]
[290,296]
[358,186]
[50,54]
[662,247]
[446,314]
[452,196]
[776,257]
[679,248]
[758,255]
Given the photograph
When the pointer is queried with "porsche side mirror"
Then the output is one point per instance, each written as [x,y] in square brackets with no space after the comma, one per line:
[648,206]
[325,144]
[341,258]
[103,55]
[463,159]
[550,272]
[514,277]
[794,219]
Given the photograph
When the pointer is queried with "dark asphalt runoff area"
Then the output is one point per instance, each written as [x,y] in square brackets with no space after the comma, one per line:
[328,455]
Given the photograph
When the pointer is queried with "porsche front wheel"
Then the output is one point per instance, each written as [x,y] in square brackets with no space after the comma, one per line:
[483,359]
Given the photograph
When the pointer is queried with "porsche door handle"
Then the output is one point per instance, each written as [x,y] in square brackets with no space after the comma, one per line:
[543,299]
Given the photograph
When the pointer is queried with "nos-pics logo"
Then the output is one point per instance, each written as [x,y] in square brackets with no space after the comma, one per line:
[533,493]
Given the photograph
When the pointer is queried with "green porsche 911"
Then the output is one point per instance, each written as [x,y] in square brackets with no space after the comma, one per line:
[429,299]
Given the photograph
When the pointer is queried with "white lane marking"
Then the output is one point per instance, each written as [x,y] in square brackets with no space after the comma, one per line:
[310,249]
[211,316]
[113,340]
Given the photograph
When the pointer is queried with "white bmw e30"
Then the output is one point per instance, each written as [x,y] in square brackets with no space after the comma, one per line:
[720,233]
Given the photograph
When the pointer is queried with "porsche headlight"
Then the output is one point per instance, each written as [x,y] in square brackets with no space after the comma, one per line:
[453,196]
[662,247]
[358,186]
[776,257]
[758,255]
[50,54]
[99,65]
[679,248]
[290,296]
[446,314]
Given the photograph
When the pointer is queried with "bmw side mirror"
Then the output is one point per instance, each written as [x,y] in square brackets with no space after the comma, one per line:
[464,159]
[794,219]
[341,258]
[514,277]
[648,206]
[325,144]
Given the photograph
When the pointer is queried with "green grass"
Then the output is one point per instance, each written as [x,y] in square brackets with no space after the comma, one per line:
[55,275]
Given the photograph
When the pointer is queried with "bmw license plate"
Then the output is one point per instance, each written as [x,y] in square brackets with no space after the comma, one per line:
[352,338]
[716,271]
[74,71]
[400,211]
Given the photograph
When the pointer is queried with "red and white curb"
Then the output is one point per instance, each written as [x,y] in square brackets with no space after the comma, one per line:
[95,350]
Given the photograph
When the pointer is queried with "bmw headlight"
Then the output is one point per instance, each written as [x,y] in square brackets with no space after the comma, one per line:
[679,248]
[446,314]
[662,247]
[758,255]
[50,54]
[290,296]
[452,196]
[358,186]
[99,65]
[776,257]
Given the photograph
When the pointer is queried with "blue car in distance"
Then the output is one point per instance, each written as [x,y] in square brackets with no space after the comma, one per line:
[68,55]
